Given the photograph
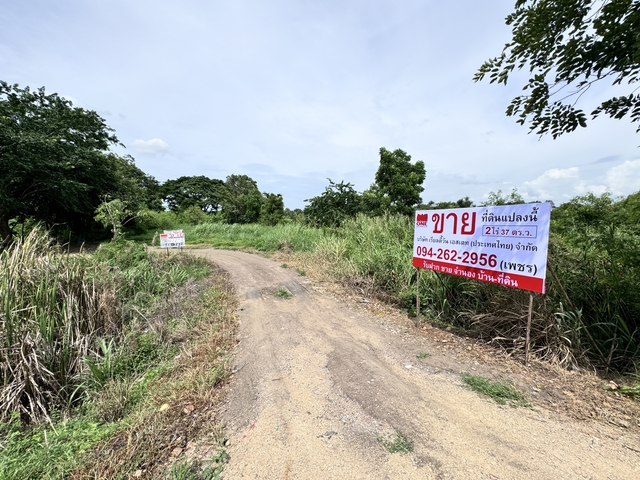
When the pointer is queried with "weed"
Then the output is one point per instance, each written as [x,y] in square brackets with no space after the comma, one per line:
[284,265]
[199,470]
[398,444]
[423,355]
[283,293]
[631,391]
[301,272]
[501,393]
[44,452]
[627,390]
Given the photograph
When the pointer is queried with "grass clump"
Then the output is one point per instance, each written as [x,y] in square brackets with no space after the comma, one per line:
[45,452]
[400,443]
[422,355]
[199,470]
[501,393]
[283,293]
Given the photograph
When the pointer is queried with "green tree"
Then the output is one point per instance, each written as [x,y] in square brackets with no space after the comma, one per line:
[200,191]
[567,46]
[272,210]
[460,203]
[138,189]
[115,214]
[398,184]
[55,160]
[241,200]
[338,202]
[498,198]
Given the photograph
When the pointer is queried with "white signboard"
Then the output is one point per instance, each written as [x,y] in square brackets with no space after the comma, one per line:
[506,245]
[172,239]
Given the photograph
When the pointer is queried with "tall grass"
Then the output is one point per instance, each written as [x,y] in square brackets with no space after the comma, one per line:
[286,237]
[56,310]
[598,325]
[53,307]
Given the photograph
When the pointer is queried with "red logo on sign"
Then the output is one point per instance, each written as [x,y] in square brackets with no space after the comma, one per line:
[421,219]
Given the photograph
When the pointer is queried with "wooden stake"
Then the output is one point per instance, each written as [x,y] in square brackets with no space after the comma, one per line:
[528,339]
[418,299]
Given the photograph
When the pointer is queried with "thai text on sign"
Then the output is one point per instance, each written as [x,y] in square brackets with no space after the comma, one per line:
[506,245]
[172,239]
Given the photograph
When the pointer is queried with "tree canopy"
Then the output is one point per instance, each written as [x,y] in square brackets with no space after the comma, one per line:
[464,202]
[55,161]
[338,202]
[567,46]
[398,182]
[272,210]
[201,191]
[241,200]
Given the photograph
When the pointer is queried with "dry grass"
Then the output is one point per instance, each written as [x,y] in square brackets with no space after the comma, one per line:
[53,306]
[179,410]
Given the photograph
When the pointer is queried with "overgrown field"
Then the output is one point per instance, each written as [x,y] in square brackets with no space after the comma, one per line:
[590,315]
[93,346]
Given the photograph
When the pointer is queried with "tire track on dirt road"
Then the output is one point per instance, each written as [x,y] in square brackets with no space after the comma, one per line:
[317,382]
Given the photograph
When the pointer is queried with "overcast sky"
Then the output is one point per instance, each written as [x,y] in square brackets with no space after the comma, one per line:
[291,92]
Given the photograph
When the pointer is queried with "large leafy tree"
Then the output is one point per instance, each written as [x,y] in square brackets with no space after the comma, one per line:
[567,46]
[241,200]
[272,210]
[200,191]
[55,160]
[398,183]
[338,202]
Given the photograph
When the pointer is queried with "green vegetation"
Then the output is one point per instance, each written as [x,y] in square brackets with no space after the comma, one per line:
[501,393]
[589,316]
[397,188]
[201,192]
[631,391]
[46,452]
[283,293]
[284,237]
[398,444]
[338,202]
[85,341]
[422,355]
[197,470]
[64,151]
[567,46]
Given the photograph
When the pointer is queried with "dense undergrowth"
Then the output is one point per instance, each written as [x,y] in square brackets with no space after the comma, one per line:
[86,339]
[590,315]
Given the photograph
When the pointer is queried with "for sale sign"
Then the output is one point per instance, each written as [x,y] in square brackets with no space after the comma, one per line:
[172,239]
[506,245]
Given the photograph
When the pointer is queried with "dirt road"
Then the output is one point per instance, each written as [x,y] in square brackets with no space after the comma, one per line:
[318,381]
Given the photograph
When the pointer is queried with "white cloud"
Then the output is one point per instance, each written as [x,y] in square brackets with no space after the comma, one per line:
[553,183]
[561,185]
[155,146]
[624,179]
